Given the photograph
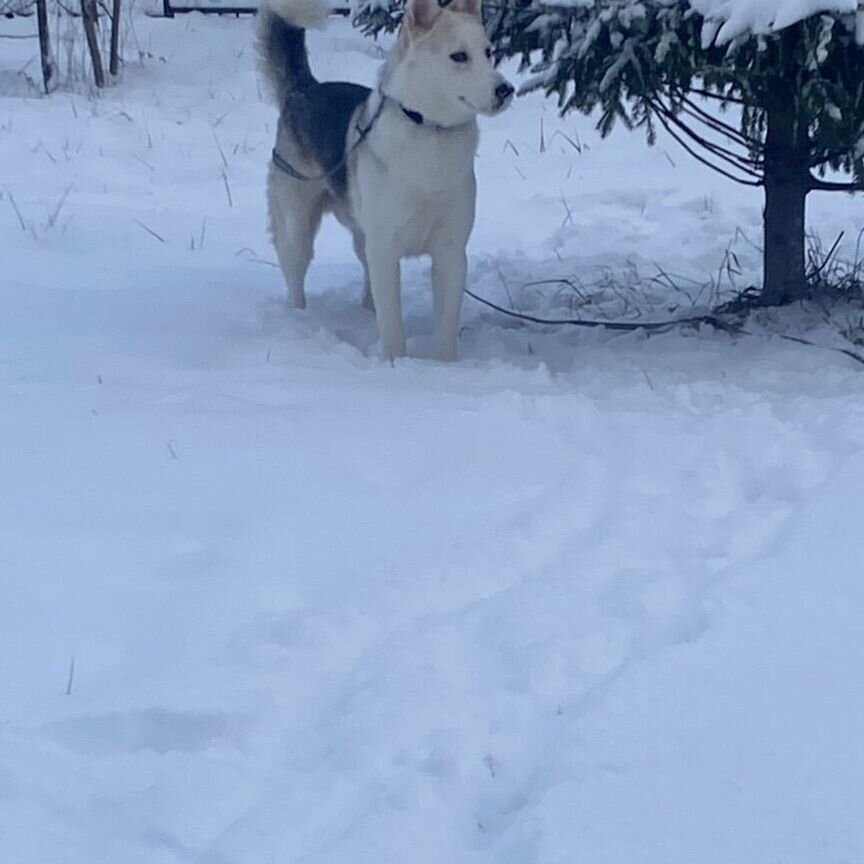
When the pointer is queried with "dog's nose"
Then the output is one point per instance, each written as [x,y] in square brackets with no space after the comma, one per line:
[504,91]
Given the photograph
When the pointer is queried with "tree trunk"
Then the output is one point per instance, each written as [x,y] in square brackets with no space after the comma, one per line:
[90,19]
[114,64]
[783,259]
[787,182]
[48,69]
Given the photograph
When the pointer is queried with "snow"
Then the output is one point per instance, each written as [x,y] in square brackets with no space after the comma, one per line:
[763,16]
[581,597]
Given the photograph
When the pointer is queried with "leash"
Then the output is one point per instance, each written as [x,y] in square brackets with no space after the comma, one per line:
[714,320]
[283,165]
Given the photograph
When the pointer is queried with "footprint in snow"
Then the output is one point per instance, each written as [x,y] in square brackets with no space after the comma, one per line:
[155,729]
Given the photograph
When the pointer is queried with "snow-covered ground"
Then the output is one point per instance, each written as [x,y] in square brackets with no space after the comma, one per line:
[577,599]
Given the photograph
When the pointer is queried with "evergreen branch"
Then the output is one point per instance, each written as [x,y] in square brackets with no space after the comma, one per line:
[710,94]
[818,185]
[743,163]
[718,125]
[749,145]
[699,158]
[827,157]
[739,163]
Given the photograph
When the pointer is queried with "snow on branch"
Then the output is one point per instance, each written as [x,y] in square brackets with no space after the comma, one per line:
[727,19]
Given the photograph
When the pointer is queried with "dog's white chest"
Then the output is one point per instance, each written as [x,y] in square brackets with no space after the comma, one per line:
[416,184]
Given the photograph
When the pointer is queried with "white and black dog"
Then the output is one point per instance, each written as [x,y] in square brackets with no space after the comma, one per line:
[394,164]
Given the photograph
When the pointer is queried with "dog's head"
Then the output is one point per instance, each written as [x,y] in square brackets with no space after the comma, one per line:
[445,63]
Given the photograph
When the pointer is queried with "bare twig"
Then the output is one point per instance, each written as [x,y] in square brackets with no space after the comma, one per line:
[52,219]
[848,352]
[150,231]
[219,147]
[71,677]
[227,189]
[569,217]
[818,269]
[14,204]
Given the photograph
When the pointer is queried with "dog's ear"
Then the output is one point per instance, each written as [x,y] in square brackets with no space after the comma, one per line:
[421,15]
[469,7]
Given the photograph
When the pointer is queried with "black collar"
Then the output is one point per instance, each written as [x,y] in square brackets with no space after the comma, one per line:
[413,116]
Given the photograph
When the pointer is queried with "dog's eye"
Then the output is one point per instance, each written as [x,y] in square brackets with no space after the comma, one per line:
[488,53]
[459,57]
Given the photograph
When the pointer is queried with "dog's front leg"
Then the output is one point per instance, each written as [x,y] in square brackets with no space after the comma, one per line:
[449,271]
[384,277]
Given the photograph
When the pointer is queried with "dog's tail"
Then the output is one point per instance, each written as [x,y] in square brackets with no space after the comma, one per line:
[282,26]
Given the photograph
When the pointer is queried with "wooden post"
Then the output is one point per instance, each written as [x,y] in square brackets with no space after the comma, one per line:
[48,68]
[114,63]
[90,19]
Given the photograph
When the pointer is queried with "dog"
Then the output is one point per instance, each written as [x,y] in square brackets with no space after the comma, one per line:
[394,164]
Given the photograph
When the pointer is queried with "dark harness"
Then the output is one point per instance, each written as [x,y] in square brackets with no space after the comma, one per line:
[362,132]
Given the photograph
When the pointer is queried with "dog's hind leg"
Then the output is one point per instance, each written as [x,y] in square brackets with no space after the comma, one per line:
[295,215]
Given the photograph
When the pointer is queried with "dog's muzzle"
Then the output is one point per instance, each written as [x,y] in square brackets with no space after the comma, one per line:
[503,94]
